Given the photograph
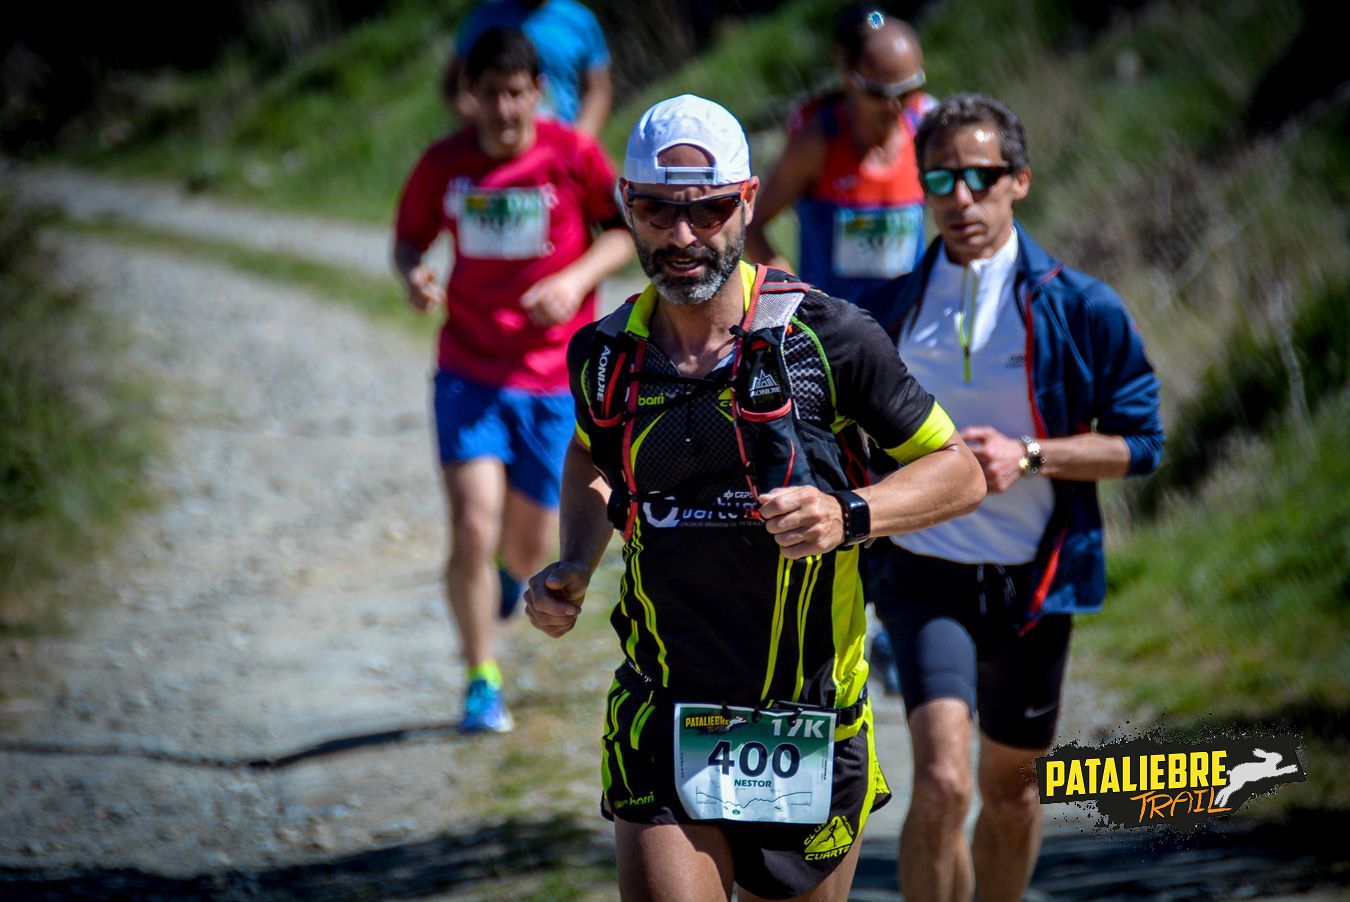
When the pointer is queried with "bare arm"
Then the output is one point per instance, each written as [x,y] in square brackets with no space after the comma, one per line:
[555,299]
[425,293]
[797,169]
[1089,457]
[941,485]
[597,97]
[554,596]
[937,487]
[1085,458]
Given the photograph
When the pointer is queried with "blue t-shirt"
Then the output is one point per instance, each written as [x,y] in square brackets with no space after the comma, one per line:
[565,34]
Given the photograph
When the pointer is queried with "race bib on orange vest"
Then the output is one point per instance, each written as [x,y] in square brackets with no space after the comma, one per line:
[877,243]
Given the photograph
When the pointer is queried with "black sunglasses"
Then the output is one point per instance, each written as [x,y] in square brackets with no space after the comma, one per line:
[941,182]
[704,213]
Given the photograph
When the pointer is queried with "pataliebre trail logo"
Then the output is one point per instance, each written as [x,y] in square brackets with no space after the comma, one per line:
[1148,782]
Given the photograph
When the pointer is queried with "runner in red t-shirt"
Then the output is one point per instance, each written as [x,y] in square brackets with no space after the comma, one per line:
[522,200]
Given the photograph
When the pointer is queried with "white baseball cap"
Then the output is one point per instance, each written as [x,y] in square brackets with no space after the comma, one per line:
[687,120]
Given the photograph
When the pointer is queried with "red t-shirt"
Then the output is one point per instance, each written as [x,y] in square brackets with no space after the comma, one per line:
[513,222]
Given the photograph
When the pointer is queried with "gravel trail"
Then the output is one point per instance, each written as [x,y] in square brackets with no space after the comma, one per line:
[261,675]
[285,593]
[163,205]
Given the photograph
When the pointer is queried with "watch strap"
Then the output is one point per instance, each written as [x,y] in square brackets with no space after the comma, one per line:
[857,517]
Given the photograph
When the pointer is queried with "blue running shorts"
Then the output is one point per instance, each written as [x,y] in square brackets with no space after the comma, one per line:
[527,431]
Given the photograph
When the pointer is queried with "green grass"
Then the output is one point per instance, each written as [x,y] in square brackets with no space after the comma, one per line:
[337,131]
[1245,589]
[1268,368]
[1235,607]
[334,133]
[378,297]
[76,437]
[755,70]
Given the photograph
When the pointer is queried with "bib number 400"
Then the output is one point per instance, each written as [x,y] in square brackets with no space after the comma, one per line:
[785,758]
[754,757]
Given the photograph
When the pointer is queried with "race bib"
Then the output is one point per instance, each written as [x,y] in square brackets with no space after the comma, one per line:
[770,767]
[502,223]
[876,244]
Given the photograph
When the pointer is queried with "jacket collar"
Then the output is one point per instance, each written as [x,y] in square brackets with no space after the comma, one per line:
[1034,267]
[1034,264]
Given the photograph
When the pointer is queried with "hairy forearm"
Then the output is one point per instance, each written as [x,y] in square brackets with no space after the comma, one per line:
[584,528]
[939,486]
[1085,458]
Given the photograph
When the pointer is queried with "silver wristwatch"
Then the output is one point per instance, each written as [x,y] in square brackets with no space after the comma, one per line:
[1033,461]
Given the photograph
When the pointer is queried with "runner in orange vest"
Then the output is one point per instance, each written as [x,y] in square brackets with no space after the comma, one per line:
[849,165]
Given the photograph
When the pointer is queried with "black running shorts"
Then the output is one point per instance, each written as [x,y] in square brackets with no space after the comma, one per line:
[955,631]
[775,861]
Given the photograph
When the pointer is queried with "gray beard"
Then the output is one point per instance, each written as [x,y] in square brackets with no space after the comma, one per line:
[692,291]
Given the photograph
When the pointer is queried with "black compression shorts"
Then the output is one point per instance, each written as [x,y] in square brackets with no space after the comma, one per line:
[954,628]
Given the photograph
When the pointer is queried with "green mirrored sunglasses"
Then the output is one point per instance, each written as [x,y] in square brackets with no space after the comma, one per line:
[941,182]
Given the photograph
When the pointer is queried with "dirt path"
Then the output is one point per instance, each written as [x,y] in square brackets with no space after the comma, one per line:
[231,711]
[284,594]
[261,676]
[161,205]
[167,206]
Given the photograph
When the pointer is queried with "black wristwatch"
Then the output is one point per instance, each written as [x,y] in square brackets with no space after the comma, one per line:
[857,517]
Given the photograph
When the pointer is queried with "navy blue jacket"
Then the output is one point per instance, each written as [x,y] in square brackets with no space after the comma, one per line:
[1087,372]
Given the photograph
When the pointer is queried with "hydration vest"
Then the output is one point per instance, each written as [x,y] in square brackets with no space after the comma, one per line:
[776,447]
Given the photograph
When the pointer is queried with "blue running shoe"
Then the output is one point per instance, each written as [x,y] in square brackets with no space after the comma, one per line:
[511,590]
[882,659]
[484,710]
